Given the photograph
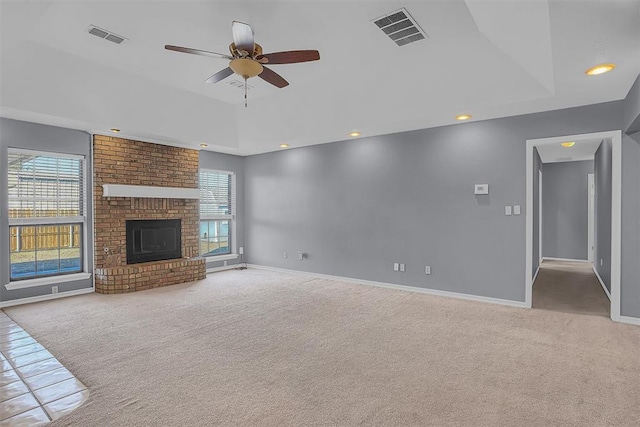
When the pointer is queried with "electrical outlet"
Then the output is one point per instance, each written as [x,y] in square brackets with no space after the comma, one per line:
[284,255]
[396,266]
[224,263]
[54,289]
[507,210]
[427,269]
[402,267]
[241,250]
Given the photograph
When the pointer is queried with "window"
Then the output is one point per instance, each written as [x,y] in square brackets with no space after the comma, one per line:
[46,213]
[217,212]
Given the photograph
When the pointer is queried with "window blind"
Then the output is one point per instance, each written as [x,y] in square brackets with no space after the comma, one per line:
[217,194]
[45,187]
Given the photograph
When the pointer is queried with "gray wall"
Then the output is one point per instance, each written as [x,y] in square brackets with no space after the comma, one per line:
[537,167]
[18,134]
[602,218]
[229,163]
[630,277]
[404,197]
[356,207]
[632,109]
[565,209]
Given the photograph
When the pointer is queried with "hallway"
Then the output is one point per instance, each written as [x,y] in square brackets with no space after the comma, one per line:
[569,287]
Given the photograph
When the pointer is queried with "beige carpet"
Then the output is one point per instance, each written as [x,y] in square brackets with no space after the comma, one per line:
[570,287]
[269,349]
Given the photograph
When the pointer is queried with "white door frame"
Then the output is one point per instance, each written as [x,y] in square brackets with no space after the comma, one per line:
[590,217]
[539,218]
[616,209]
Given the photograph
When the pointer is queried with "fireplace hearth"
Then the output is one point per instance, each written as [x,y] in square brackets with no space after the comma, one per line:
[153,240]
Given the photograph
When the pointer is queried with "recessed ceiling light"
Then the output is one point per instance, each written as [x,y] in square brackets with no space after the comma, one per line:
[354,133]
[203,145]
[115,130]
[284,145]
[463,117]
[568,144]
[600,69]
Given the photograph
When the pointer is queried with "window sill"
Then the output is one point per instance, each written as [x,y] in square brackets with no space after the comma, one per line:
[41,281]
[214,258]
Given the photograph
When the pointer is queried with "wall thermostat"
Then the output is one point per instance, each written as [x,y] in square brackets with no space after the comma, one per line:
[481,189]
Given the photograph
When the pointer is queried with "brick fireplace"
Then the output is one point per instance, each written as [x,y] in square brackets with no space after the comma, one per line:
[126,162]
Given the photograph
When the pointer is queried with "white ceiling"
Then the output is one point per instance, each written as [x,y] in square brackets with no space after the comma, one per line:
[487,58]
[584,149]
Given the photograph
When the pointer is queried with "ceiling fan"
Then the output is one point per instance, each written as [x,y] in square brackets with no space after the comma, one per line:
[247,60]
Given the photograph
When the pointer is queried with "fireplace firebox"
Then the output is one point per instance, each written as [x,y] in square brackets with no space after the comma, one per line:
[153,240]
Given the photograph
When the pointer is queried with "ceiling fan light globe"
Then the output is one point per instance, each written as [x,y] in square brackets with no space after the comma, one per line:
[246,67]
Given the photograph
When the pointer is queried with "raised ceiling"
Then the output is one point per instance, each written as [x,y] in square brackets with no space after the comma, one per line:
[487,58]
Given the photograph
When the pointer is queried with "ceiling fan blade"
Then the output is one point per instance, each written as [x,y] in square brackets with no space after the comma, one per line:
[243,36]
[272,77]
[197,52]
[290,57]
[222,74]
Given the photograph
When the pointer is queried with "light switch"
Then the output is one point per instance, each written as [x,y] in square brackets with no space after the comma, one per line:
[396,266]
[401,267]
[516,209]
[507,210]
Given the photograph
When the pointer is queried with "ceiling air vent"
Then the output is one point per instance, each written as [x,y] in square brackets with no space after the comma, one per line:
[400,27]
[104,34]
[239,84]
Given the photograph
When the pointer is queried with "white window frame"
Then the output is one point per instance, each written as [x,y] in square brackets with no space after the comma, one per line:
[231,217]
[44,221]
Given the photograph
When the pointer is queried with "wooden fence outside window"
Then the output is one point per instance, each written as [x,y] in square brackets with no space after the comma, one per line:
[32,237]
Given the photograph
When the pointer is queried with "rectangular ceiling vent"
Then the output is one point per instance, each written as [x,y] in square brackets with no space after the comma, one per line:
[400,27]
[239,84]
[104,34]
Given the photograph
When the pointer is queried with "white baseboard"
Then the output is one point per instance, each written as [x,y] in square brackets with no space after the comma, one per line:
[548,258]
[535,276]
[436,292]
[606,291]
[630,320]
[223,268]
[45,297]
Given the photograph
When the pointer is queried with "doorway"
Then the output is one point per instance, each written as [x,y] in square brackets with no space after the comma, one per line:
[615,140]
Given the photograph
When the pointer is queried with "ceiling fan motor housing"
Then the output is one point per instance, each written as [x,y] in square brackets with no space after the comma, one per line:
[238,53]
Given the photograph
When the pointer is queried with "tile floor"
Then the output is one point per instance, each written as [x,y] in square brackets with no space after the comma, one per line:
[34,387]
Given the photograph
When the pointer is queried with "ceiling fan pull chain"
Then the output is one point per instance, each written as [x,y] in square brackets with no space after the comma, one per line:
[245,92]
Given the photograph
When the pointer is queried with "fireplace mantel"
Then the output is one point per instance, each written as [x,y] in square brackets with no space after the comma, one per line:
[118,190]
